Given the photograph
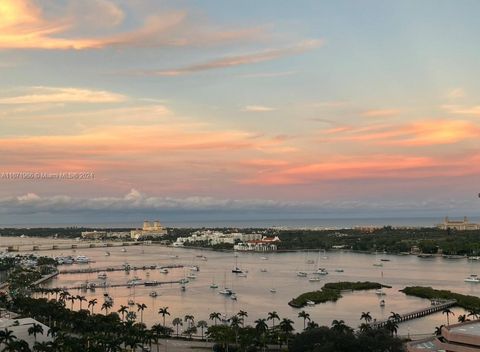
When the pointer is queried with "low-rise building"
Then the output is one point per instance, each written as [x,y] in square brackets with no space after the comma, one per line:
[459,225]
[265,244]
[216,237]
[463,337]
[20,327]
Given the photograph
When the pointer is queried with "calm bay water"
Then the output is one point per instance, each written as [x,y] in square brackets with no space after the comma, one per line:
[253,291]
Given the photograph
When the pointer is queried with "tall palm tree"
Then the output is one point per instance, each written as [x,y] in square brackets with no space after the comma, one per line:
[163,312]
[394,316]
[81,299]
[261,325]
[366,316]
[202,324]
[438,330]
[140,308]
[92,303]
[177,322]
[72,298]
[106,306]
[34,330]
[190,320]
[339,326]
[242,314]
[392,326]
[448,312]
[473,313]
[305,317]
[215,316]
[286,325]
[123,310]
[272,316]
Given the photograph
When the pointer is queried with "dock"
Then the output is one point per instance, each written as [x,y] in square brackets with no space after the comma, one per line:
[118,268]
[143,284]
[436,306]
[67,246]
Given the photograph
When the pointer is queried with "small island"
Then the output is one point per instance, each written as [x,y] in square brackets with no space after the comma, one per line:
[331,292]
[464,301]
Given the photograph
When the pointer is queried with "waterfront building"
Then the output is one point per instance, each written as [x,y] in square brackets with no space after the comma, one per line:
[216,237]
[463,337]
[150,230]
[266,244]
[459,225]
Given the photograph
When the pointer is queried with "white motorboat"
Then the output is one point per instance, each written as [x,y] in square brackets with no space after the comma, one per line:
[153,294]
[302,274]
[321,271]
[382,303]
[263,270]
[378,264]
[163,270]
[314,279]
[474,258]
[107,253]
[192,276]
[472,278]
[194,268]
[242,275]
[233,297]
[380,292]
[226,291]
[310,303]
[131,302]
[273,290]
[339,270]
[264,258]
[81,259]
[123,249]
[134,281]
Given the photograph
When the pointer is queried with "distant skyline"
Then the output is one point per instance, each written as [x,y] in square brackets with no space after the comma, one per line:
[239,110]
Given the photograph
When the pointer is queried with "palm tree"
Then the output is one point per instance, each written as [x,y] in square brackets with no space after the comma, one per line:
[261,325]
[7,336]
[448,312]
[366,316]
[394,316]
[34,330]
[189,319]
[123,310]
[305,317]
[92,303]
[392,326]
[272,316]
[177,322]
[73,299]
[242,314]
[473,313]
[202,324]
[286,325]
[462,318]
[81,299]
[140,308]
[339,326]
[106,306]
[312,325]
[215,316]
[164,312]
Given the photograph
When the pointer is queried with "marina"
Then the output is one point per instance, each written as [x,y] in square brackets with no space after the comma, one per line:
[270,284]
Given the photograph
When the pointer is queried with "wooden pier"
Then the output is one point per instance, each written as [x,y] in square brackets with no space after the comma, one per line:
[143,284]
[436,306]
[67,246]
[119,268]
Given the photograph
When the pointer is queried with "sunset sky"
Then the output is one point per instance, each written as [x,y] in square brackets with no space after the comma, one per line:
[230,109]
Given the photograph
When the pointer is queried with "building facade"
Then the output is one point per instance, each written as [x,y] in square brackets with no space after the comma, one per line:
[150,230]
[459,225]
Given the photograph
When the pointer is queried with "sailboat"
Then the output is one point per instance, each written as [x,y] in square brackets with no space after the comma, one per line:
[236,269]
[213,285]
[226,291]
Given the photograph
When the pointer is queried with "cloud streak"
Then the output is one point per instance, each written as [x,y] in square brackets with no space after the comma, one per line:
[239,60]
[42,95]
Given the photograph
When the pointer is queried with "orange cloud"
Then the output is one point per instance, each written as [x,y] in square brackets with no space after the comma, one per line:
[24,26]
[366,167]
[421,133]
[40,95]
